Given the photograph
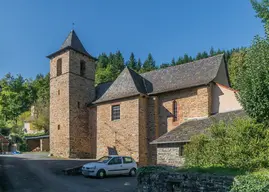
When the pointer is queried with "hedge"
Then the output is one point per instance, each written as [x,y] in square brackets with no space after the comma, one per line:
[252,182]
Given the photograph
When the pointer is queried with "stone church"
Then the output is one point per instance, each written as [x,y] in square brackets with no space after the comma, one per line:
[123,117]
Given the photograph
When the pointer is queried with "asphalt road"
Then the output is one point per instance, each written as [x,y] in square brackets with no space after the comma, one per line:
[31,173]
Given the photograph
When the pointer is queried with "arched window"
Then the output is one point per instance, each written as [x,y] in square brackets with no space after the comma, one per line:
[174,111]
[82,68]
[59,67]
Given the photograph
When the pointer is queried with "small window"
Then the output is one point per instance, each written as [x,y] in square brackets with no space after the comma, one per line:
[82,68]
[115,112]
[115,161]
[59,92]
[78,104]
[59,127]
[127,160]
[181,150]
[59,67]
[174,111]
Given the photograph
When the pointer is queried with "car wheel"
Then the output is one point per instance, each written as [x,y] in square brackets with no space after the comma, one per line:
[132,172]
[101,174]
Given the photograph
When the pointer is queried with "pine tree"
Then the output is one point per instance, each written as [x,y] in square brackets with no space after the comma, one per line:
[119,61]
[204,55]
[219,52]
[199,56]
[212,51]
[173,62]
[139,65]
[132,62]
[115,65]
[186,58]
[164,65]
[103,61]
[179,61]
[190,59]
[149,64]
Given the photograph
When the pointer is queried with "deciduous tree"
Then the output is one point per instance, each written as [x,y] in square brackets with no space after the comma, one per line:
[253,80]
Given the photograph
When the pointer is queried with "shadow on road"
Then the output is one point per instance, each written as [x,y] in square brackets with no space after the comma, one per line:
[24,173]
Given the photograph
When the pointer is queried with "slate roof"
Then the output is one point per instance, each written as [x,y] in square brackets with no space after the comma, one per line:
[72,42]
[36,137]
[102,88]
[192,74]
[128,83]
[186,130]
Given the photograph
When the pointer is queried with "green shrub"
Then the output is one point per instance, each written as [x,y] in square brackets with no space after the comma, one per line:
[242,144]
[254,182]
[23,147]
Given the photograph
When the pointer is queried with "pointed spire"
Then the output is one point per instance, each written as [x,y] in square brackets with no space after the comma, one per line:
[72,42]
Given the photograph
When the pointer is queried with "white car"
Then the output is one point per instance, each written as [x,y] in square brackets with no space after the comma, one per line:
[110,165]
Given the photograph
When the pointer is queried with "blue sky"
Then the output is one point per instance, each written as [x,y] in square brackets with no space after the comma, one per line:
[32,29]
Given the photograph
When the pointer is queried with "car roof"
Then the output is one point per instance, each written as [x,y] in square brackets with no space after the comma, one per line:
[117,156]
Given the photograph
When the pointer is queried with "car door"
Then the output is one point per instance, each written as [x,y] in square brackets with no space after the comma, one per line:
[127,164]
[114,166]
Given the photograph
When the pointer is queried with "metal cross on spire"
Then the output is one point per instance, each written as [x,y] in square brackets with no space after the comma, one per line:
[73,26]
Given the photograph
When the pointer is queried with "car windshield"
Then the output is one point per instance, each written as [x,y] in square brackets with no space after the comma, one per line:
[104,159]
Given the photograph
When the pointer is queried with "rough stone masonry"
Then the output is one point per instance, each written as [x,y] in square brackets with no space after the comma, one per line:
[183,182]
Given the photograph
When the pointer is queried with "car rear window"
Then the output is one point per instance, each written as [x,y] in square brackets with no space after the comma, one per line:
[127,160]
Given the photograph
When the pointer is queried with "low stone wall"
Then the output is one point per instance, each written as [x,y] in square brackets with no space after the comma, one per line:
[170,154]
[183,182]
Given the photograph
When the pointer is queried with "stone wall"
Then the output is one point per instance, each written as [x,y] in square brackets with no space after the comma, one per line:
[170,154]
[59,107]
[119,136]
[93,130]
[152,127]
[81,92]
[183,182]
[69,95]
[143,132]
[191,103]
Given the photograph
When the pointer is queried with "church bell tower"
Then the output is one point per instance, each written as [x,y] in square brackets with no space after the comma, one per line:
[72,78]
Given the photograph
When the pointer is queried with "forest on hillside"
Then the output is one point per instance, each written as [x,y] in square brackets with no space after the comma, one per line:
[110,66]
